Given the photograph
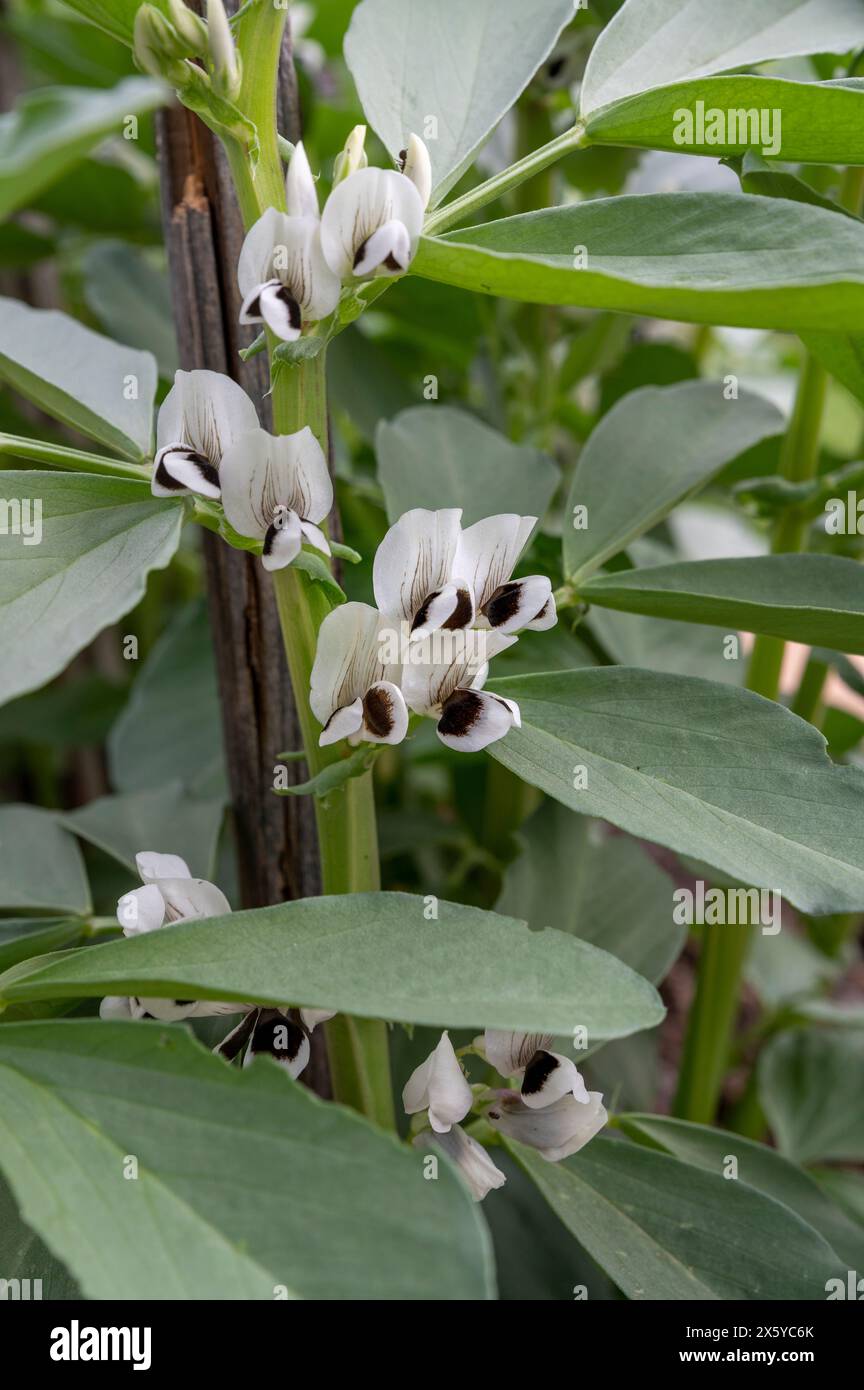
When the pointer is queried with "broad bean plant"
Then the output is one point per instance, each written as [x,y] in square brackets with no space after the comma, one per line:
[577,1011]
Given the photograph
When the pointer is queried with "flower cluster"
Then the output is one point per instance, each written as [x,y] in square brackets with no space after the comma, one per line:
[552,1111]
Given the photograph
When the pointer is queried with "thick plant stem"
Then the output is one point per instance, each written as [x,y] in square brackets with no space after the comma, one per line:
[724,949]
[347,833]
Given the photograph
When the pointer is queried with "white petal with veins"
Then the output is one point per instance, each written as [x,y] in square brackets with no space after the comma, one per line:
[152,866]
[204,411]
[365,202]
[283,541]
[488,552]
[264,473]
[472,719]
[301,196]
[287,249]
[474,1163]
[510,1053]
[557,1130]
[352,643]
[439,1086]
[415,560]
[548,1077]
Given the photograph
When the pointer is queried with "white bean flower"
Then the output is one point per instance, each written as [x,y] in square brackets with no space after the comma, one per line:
[450,691]
[283,1034]
[472,1160]
[372,220]
[355,693]
[556,1131]
[439,1086]
[431,574]
[283,276]
[277,489]
[200,418]
[170,894]
[546,1076]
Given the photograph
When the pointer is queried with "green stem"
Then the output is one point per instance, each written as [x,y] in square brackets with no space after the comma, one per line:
[73,460]
[706,1046]
[347,831]
[511,177]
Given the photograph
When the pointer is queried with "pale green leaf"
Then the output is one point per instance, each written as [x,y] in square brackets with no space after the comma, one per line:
[165,818]
[41,869]
[810,1083]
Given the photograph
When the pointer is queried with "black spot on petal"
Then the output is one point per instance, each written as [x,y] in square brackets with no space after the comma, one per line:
[537,1073]
[378,712]
[278,1036]
[462,613]
[460,713]
[504,603]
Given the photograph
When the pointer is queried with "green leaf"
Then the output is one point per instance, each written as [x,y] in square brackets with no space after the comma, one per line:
[845,1188]
[654,448]
[650,43]
[171,728]
[245,1182]
[759,175]
[24,1256]
[804,598]
[301,350]
[662,1229]
[843,355]
[810,1087]
[463,66]
[163,818]
[132,301]
[706,769]
[375,955]
[758,1167]
[313,564]
[100,538]
[76,376]
[41,869]
[116,17]
[807,122]
[601,888]
[22,938]
[724,258]
[422,456]
[335,775]
[54,127]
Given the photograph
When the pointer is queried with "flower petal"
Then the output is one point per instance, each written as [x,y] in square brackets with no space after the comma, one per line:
[416,165]
[472,1160]
[364,203]
[510,1053]
[280,311]
[262,473]
[488,552]
[548,1077]
[342,723]
[386,251]
[283,540]
[415,561]
[152,866]
[278,1036]
[556,1131]
[472,719]
[312,1017]
[546,618]
[204,411]
[428,680]
[141,911]
[287,250]
[350,659]
[115,1006]
[301,196]
[385,714]
[519,603]
[439,1086]
[314,536]
[178,471]
[450,608]
[188,898]
[233,1043]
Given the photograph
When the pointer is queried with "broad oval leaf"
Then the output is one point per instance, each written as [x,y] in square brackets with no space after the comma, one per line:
[374,955]
[757,1166]
[803,598]
[422,456]
[650,43]
[52,128]
[461,66]
[41,869]
[97,386]
[721,258]
[122,825]
[22,938]
[801,122]
[662,1229]
[653,449]
[810,1085]
[231,1164]
[706,769]
[100,538]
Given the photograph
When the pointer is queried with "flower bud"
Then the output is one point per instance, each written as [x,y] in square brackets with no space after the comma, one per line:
[415,164]
[352,156]
[223,54]
[157,46]
[190,27]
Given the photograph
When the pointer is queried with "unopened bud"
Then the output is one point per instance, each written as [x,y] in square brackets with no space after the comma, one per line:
[223,54]
[352,156]
[157,45]
[190,27]
[416,165]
